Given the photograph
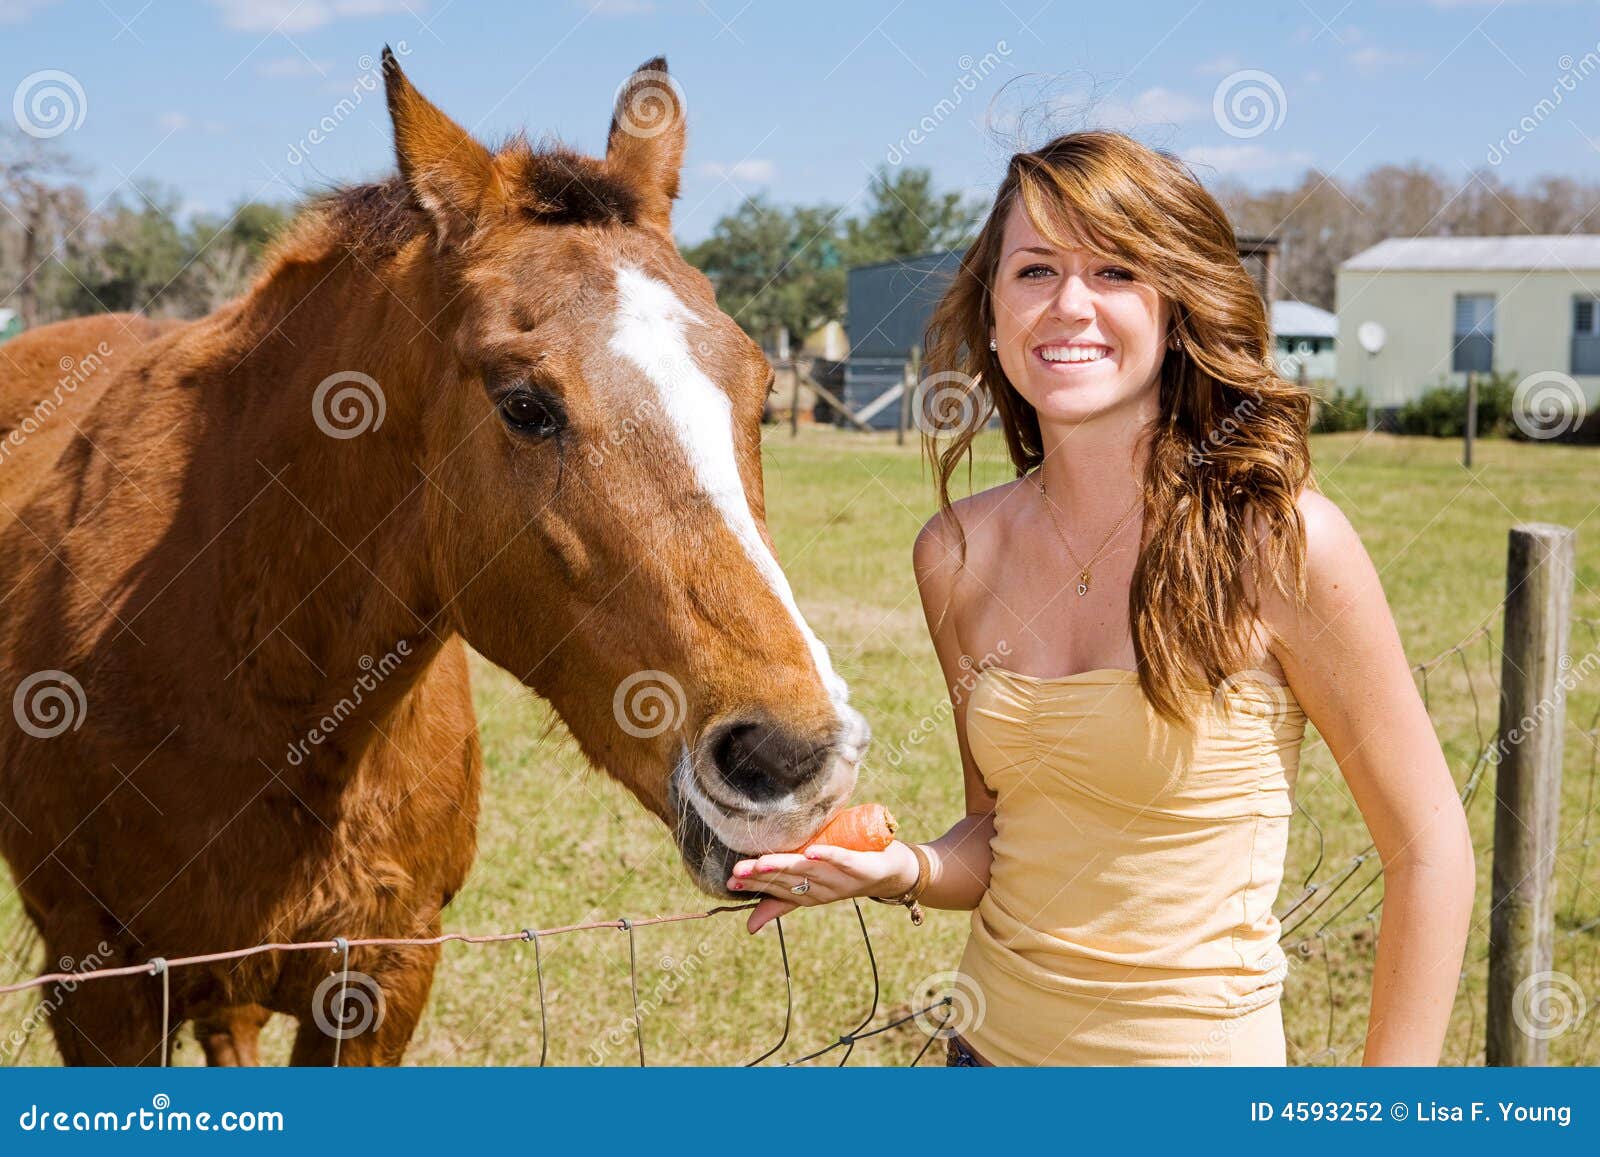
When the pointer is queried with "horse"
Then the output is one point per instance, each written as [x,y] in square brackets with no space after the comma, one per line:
[484,402]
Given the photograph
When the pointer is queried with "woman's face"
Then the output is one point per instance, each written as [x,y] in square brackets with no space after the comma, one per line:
[1078,335]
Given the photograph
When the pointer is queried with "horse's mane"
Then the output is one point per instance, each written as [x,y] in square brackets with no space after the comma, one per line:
[550,184]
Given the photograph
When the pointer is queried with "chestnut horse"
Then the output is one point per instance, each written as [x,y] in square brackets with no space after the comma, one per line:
[483,403]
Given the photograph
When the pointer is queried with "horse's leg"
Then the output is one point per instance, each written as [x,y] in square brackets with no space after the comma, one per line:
[373,1031]
[231,1036]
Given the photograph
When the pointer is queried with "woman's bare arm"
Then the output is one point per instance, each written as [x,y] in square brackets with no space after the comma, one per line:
[961,857]
[1345,663]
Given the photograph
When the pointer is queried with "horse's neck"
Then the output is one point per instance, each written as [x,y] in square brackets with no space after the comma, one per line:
[329,584]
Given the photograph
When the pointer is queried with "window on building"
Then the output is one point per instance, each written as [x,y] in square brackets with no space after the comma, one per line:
[1474,333]
[1586,335]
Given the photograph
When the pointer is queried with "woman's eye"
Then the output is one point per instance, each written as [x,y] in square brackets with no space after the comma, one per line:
[529,413]
[1035,272]
[1117,273]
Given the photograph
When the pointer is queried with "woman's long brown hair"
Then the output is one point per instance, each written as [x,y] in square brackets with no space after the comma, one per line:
[1228,454]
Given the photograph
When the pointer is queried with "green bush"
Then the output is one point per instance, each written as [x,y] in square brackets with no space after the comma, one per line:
[1342,411]
[1441,411]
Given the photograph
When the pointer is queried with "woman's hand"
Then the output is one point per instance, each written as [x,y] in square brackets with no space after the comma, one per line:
[833,874]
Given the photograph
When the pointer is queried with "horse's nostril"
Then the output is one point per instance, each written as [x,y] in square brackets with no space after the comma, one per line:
[763,762]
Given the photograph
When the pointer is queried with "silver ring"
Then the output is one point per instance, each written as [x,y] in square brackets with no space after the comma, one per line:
[801,888]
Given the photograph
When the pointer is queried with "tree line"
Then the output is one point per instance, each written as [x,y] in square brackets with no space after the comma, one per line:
[774,265]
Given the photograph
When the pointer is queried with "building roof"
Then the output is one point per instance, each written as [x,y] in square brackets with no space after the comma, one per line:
[1557,251]
[1297,319]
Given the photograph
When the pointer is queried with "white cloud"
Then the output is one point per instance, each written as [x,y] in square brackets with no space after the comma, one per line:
[1218,66]
[1150,107]
[294,66]
[749,172]
[1231,159]
[178,122]
[16,11]
[301,15]
[1370,58]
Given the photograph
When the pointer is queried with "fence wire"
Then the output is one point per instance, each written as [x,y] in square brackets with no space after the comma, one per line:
[159,969]
[1329,929]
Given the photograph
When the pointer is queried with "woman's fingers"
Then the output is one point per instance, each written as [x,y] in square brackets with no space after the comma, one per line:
[846,860]
[826,884]
[769,909]
[771,862]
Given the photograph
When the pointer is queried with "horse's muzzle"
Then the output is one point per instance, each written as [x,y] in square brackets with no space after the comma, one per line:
[754,787]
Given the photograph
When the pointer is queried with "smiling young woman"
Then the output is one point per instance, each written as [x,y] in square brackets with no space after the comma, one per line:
[1175,601]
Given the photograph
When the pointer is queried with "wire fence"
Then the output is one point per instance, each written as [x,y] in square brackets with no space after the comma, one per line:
[1329,929]
[1329,925]
[931,1021]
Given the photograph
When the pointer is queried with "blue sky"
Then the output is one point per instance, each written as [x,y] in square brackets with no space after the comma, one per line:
[217,100]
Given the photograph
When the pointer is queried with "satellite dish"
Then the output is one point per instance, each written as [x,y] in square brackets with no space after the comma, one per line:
[1371,335]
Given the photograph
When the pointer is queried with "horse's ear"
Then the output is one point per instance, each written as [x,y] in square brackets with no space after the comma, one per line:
[645,145]
[449,173]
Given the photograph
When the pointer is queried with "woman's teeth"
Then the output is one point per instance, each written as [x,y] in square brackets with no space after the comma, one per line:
[1074,353]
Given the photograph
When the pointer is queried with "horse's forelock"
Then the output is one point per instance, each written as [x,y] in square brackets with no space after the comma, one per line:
[552,185]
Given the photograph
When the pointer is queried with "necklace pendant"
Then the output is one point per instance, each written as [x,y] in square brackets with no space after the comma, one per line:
[1083,584]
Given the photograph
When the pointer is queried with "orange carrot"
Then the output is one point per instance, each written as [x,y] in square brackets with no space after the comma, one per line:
[867,827]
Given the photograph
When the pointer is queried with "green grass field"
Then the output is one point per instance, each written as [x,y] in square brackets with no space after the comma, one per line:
[560,844]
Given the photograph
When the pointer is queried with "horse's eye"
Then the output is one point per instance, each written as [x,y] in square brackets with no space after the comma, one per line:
[532,414]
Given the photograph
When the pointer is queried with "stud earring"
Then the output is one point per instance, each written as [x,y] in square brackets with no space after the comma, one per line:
[993,345]
[1175,342]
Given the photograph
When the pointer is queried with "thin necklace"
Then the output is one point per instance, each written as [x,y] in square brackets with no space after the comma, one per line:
[1083,567]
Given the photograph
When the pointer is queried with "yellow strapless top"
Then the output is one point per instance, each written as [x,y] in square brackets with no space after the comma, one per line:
[1136,863]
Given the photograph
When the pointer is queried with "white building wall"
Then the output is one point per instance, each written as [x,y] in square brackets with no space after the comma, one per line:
[1533,326]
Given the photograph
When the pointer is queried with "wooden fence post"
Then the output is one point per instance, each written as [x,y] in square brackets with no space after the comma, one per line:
[1527,810]
[1471,431]
[911,376]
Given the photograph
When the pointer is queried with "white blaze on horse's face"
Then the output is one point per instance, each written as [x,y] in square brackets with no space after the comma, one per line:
[650,334]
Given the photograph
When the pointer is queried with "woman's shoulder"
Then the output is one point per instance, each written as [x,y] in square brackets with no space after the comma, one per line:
[1336,562]
[978,523]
